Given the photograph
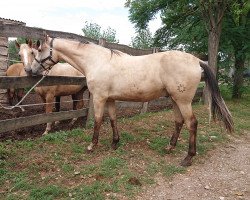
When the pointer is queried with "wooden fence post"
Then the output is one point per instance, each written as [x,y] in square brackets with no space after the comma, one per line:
[144,108]
[3,67]
[90,116]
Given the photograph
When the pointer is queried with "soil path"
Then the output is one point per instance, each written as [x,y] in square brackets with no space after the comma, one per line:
[224,175]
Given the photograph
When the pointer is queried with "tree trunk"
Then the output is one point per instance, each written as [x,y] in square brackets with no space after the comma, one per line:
[213,47]
[238,75]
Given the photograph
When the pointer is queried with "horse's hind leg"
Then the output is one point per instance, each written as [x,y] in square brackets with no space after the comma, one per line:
[57,106]
[113,121]
[77,103]
[58,103]
[99,104]
[191,123]
[178,125]
[20,94]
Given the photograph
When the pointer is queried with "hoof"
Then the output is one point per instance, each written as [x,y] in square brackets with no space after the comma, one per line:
[89,151]
[73,122]
[114,145]
[169,149]
[57,123]
[187,161]
[45,133]
[91,148]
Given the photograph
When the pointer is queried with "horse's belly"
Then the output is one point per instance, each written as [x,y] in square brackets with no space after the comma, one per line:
[65,90]
[138,95]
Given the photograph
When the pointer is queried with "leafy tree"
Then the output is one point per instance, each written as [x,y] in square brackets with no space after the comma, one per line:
[142,40]
[180,16]
[94,31]
[13,51]
[237,29]
[197,25]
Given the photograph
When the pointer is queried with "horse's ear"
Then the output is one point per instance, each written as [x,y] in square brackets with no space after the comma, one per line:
[29,43]
[45,36]
[17,44]
[37,44]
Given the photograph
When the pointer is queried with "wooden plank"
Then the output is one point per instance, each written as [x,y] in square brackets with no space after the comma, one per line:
[3,51]
[3,41]
[10,30]
[28,81]
[17,123]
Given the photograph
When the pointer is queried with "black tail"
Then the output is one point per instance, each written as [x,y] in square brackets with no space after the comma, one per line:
[218,107]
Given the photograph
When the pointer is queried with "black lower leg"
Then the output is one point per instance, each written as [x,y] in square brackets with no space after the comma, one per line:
[115,133]
[192,143]
[175,136]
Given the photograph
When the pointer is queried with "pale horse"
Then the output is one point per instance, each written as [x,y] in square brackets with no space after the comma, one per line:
[112,75]
[48,93]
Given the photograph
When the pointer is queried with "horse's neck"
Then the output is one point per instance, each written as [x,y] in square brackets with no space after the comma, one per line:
[80,56]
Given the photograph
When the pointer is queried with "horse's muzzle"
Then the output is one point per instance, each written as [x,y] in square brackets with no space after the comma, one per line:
[28,71]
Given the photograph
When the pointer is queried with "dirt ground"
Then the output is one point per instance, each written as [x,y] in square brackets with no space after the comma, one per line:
[224,175]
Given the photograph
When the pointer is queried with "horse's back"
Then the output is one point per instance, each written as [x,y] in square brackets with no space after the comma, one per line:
[16,69]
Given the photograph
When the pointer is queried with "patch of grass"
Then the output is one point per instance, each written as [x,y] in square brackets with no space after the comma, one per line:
[4,152]
[158,144]
[94,191]
[56,138]
[153,168]
[77,149]
[126,137]
[110,166]
[67,168]
[170,170]
[47,193]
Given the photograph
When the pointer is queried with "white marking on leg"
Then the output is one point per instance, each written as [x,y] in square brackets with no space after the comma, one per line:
[90,147]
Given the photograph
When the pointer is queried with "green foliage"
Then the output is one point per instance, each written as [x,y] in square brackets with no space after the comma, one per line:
[185,26]
[94,31]
[13,50]
[143,39]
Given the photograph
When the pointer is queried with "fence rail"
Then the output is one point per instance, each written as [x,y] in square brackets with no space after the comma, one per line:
[21,122]
[28,81]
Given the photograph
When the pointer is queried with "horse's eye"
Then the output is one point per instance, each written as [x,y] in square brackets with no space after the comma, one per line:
[32,52]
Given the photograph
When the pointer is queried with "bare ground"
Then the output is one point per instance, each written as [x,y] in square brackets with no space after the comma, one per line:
[223,174]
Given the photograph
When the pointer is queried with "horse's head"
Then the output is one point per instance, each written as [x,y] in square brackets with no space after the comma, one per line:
[27,53]
[45,57]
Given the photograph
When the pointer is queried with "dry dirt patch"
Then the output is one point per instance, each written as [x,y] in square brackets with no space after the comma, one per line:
[224,175]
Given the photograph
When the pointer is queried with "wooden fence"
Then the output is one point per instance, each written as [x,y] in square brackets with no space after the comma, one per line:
[22,82]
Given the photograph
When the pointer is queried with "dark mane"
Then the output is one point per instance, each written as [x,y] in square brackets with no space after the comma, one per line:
[115,52]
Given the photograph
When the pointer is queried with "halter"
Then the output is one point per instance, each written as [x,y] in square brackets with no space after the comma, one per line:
[41,62]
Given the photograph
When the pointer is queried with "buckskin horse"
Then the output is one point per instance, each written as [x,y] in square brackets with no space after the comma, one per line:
[112,75]
[48,93]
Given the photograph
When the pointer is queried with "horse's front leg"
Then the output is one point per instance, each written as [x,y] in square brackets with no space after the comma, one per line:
[113,121]
[99,104]
[74,99]
[48,109]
